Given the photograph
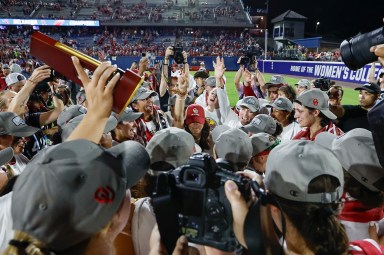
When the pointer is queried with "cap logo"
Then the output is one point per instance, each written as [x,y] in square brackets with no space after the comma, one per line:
[195,111]
[279,102]
[18,121]
[104,195]
[82,110]
[256,121]
[364,179]
[249,101]
[315,102]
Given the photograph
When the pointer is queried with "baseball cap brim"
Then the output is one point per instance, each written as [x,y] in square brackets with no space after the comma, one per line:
[368,90]
[276,107]
[130,116]
[269,84]
[249,106]
[68,128]
[145,95]
[251,128]
[330,115]
[6,155]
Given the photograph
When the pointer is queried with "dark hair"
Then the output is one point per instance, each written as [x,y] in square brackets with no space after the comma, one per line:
[324,119]
[289,92]
[317,222]
[366,196]
[204,141]
[279,129]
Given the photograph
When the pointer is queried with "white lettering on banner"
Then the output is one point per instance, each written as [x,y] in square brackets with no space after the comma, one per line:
[309,69]
[303,69]
[295,68]
[329,71]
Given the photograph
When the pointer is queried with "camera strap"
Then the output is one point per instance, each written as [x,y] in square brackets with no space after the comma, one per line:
[259,229]
[166,214]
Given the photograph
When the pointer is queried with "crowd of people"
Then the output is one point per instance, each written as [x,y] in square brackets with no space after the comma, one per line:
[77,178]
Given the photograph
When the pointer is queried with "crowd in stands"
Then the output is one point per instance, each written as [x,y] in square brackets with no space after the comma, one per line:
[135,41]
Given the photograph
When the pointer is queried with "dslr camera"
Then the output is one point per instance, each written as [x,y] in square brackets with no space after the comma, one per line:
[355,51]
[322,83]
[178,55]
[190,200]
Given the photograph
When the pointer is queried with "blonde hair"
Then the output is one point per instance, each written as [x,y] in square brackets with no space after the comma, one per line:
[2,100]
[34,247]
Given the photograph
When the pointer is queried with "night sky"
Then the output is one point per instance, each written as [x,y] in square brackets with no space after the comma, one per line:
[338,18]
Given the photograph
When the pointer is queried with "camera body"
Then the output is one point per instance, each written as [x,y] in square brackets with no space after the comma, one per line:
[202,211]
[322,83]
[178,55]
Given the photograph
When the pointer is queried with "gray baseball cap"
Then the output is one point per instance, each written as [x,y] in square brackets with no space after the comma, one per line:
[294,164]
[251,102]
[171,145]
[127,115]
[303,83]
[172,101]
[6,155]
[211,81]
[70,126]
[5,66]
[143,93]
[282,104]
[357,154]
[235,146]
[69,113]
[12,124]
[70,191]
[276,80]
[217,131]
[261,123]
[262,142]
[316,99]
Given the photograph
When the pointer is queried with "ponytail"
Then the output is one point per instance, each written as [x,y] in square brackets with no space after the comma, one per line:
[24,244]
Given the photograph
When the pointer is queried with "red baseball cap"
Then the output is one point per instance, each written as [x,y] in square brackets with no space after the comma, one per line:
[194,113]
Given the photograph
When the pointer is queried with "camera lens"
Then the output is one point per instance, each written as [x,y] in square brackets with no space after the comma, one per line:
[355,52]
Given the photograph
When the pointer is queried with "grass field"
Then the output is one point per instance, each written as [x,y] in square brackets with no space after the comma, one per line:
[350,95]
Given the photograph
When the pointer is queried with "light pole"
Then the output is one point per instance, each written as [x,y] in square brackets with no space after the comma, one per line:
[317,25]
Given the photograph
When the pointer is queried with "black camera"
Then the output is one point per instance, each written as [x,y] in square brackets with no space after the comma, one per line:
[322,83]
[244,60]
[355,51]
[190,200]
[178,55]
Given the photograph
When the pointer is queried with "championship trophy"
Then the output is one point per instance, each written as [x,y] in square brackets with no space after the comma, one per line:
[58,57]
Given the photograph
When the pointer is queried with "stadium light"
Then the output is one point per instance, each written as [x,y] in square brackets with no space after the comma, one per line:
[317,25]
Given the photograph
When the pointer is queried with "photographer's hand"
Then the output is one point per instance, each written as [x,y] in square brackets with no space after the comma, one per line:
[239,210]
[181,248]
[168,52]
[379,52]
[143,63]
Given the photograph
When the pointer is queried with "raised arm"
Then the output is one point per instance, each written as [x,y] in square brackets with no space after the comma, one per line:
[19,102]
[164,72]
[99,93]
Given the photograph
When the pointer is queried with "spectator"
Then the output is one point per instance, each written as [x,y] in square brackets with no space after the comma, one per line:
[5,71]
[355,116]
[302,85]
[15,82]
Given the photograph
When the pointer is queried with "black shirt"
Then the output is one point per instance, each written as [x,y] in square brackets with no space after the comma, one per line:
[354,117]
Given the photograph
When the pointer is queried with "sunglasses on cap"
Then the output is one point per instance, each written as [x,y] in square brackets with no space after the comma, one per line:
[20,77]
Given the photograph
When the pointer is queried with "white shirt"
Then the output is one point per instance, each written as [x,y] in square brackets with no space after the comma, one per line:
[6,222]
[290,131]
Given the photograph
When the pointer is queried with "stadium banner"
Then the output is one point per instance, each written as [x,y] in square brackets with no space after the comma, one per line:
[48,22]
[311,69]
